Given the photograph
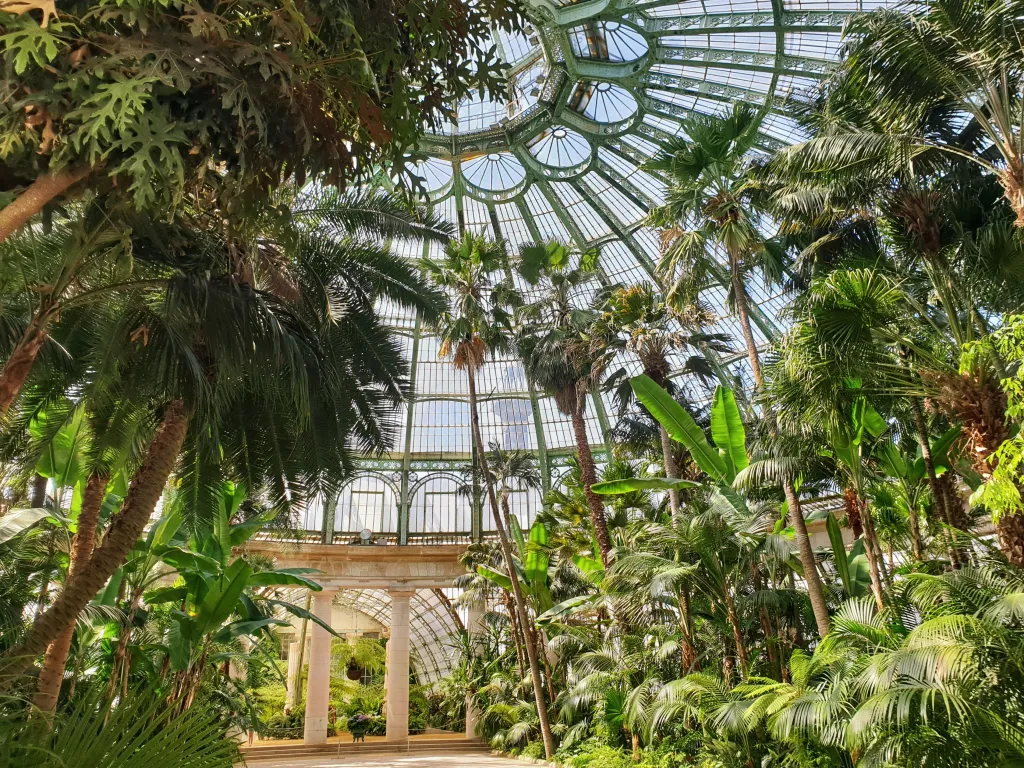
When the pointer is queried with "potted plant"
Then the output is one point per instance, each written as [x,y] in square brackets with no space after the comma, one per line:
[358,724]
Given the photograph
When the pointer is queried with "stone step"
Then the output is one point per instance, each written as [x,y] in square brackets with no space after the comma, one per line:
[417,746]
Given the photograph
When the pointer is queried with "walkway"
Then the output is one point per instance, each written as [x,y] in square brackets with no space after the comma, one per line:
[399,760]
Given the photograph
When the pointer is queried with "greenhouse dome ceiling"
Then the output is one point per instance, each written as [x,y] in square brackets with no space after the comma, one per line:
[595,89]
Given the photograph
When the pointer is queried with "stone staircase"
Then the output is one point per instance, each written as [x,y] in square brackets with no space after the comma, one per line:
[420,746]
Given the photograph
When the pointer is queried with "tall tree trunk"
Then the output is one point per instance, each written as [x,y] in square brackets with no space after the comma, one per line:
[146,487]
[517,592]
[737,634]
[30,202]
[938,497]
[739,291]
[589,474]
[815,590]
[671,470]
[52,674]
[23,356]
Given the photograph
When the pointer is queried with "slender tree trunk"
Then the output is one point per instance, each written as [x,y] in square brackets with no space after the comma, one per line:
[771,639]
[739,291]
[517,592]
[589,474]
[23,356]
[297,681]
[517,635]
[30,202]
[815,590]
[671,470]
[737,634]
[37,491]
[146,487]
[52,674]
[687,650]
[938,497]
[871,553]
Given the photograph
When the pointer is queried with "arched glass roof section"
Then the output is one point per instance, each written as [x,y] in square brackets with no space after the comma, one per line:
[434,627]
[594,89]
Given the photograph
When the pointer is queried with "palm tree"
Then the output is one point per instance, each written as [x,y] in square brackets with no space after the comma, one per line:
[712,203]
[908,80]
[557,349]
[266,371]
[475,325]
[638,320]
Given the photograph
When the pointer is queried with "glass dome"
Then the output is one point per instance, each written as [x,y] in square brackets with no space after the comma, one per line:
[594,89]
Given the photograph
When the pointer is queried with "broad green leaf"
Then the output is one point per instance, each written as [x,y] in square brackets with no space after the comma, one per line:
[517,536]
[163,530]
[182,559]
[495,577]
[242,532]
[166,595]
[281,579]
[940,449]
[568,608]
[859,571]
[110,592]
[835,537]
[626,485]
[302,613]
[679,424]
[536,563]
[222,598]
[62,458]
[229,632]
[593,569]
[18,520]
[728,432]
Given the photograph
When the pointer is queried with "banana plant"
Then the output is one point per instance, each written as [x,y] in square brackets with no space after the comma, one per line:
[220,599]
[531,564]
[720,462]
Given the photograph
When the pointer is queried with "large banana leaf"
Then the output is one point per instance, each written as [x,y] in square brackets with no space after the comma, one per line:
[235,629]
[495,577]
[301,613]
[728,432]
[281,579]
[537,559]
[679,424]
[628,484]
[569,607]
[18,520]
[854,572]
[222,598]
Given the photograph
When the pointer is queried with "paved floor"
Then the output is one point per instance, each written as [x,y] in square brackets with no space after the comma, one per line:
[449,760]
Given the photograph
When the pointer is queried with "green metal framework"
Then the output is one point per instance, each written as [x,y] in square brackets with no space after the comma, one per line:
[595,88]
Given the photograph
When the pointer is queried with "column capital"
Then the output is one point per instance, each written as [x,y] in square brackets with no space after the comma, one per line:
[401,593]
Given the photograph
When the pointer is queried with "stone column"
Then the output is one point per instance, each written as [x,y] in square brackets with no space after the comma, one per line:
[292,681]
[398,666]
[474,627]
[318,686]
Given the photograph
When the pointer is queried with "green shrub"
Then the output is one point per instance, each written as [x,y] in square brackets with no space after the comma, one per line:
[602,757]
[534,749]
